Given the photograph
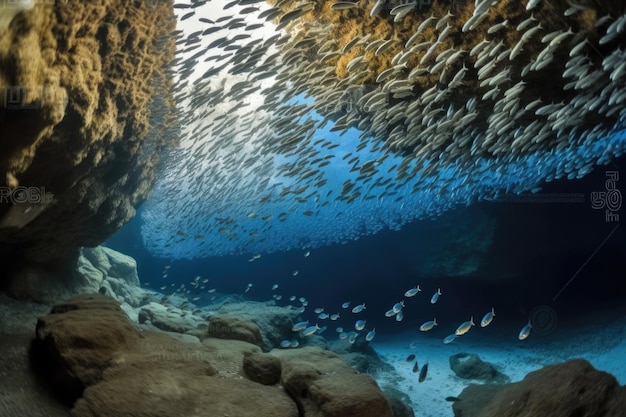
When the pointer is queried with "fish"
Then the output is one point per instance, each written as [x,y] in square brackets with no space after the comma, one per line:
[428,325]
[412,292]
[453,399]
[488,318]
[358,308]
[390,313]
[370,335]
[295,272]
[410,358]
[359,325]
[310,330]
[423,373]
[323,316]
[343,335]
[345,304]
[464,327]
[399,316]
[300,326]
[525,332]
[285,343]
[274,287]
[435,296]
[339,329]
[416,367]
[449,338]
[295,343]
[398,306]
[334,316]
[343,5]
[318,310]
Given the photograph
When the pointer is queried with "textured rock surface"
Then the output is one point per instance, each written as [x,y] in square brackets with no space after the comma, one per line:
[224,327]
[262,368]
[97,270]
[274,322]
[570,389]
[470,366]
[81,125]
[323,385]
[170,319]
[79,339]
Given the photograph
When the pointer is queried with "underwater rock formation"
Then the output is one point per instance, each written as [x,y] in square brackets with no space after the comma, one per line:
[82,126]
[572,388]
[114,369]
[470,366]
[97,270]
[314,378]
[273,322]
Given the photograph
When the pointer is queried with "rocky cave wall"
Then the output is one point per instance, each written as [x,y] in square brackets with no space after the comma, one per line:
[86,109]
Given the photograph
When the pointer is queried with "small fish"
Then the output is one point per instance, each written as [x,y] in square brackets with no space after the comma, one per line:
[318,310]
[525,332]
[310,330]
[359,325]
[449,339]
[339,329]
[390,313]
[415,367]
[285,344]
[423,372]
[300,326]
[410,358]
[435,296]
[292,298]
[370,335]
[295,343]
[464,327]
[274,287]
[488,318]
[334,316]
[295,272]
[359,308]
[412,292]
[307,253]
[323,316]
[453,399]
[399,316]
[345,304]
[343,335]
[398,306]
[428,325]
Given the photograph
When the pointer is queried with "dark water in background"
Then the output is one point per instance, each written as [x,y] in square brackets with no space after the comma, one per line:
[537,248]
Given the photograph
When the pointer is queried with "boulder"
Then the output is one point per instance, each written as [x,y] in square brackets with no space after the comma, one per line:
[274,322]
[262,368]
[470,366]
[323,385]
[569,389]
[226,327]
[105,368]
[171,319]
[79,339]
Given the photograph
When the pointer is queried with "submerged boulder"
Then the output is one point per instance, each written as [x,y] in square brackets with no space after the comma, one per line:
[569,389]
[470,366]
[323,385]
[224,327]
[78,340]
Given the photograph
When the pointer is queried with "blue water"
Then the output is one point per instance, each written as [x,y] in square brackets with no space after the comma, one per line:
[541,253]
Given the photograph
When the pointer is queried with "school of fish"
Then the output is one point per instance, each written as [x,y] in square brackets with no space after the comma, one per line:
[292,136]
